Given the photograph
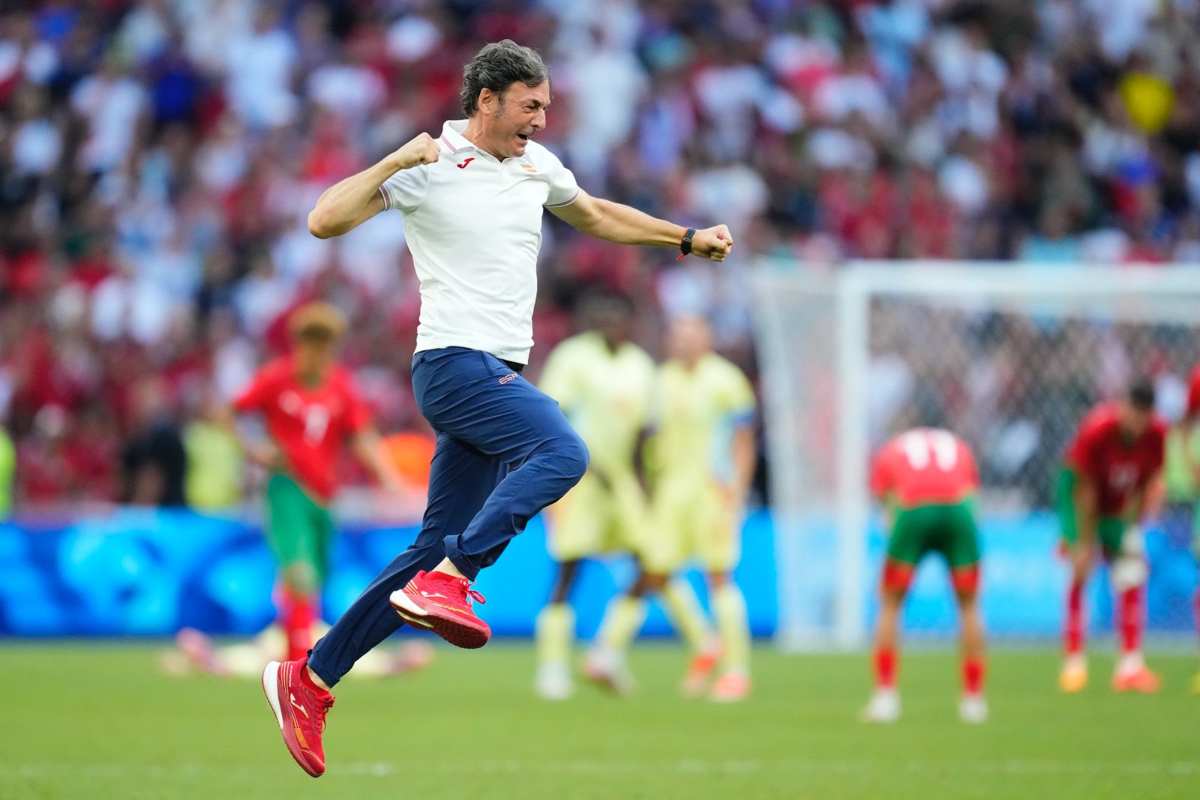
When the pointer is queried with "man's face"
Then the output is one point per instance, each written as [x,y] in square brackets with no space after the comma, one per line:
[689,338]
[315,353]
[512,117]
[1134,421]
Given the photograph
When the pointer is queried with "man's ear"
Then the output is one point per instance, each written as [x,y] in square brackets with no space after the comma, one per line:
[487,100]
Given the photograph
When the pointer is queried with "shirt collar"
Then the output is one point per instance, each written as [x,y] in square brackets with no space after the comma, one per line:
[452,135]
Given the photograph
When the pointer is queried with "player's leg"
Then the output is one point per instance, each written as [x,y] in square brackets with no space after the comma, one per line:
[477,399]
[1125,550]
[577,524]
[606,663]
[1073,676]
[554,630]
[716,527]
[733,628]
[292,532]
[906,546]
[962,554]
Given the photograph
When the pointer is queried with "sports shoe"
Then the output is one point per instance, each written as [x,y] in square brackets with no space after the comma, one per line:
[608,671]
[300,710]
[732,687]
[1140,680]
[552,681]
[883,708]
[973,709]
[695,680]
[442,603]
[1074,675]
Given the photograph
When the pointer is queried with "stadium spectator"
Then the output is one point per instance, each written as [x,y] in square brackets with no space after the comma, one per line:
[157,157]
[153,459]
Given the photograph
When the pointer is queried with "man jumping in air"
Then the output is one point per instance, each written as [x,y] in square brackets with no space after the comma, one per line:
[472,200]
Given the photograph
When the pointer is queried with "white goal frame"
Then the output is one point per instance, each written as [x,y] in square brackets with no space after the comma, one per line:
[1164,292]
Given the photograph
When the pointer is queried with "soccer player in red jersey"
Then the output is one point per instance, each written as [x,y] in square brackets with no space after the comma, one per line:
[312,410]
[1111,479]
[928,479]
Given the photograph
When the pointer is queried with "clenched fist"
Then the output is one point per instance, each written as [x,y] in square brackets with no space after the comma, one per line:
[713,243]
[421,149]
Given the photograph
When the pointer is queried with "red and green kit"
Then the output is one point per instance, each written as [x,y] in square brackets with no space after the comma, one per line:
[928,478]
[310,425]
[1120,467]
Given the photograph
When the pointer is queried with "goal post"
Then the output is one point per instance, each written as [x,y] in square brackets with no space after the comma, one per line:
[1007,355]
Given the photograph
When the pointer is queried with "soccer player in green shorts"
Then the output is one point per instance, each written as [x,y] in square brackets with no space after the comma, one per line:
[1110,481]
[928,479]
[703,453]
[312,411]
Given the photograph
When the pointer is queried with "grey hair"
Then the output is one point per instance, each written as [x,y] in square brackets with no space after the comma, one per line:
[497,66]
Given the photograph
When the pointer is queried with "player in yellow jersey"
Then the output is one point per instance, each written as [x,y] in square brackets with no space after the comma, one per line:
[605,385]
[703,456]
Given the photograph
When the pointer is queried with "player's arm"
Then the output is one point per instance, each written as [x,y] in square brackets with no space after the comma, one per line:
[745,457]
[257,450]
[1087,499]
[615,222]
[368,448]
[354,200]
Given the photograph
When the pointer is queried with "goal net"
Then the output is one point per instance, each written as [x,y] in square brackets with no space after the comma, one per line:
[1009,357]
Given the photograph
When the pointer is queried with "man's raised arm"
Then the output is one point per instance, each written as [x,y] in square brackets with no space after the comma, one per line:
[624,224]
[352,201]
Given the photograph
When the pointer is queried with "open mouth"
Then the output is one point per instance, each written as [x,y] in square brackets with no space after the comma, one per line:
[524,137]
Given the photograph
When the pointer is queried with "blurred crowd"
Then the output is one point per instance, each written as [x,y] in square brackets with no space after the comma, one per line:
[158,157]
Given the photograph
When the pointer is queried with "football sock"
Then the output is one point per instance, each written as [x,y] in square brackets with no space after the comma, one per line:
[1073,635]
[684,612]
[298,614]
[1131,619]
[555,627]
[622,621]
[729,607]
[973,670]
[885,667]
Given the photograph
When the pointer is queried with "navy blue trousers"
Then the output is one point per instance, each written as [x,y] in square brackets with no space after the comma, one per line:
[504,452]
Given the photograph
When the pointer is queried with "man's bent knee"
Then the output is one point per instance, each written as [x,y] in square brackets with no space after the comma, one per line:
[573,456]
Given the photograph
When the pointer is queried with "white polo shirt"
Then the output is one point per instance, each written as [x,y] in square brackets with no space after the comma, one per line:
[474,226]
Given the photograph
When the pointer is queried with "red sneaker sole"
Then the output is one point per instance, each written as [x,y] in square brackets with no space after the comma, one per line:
[270,687]
[452,630]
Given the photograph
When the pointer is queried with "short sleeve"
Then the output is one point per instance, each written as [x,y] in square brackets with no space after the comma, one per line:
[738,396]
[881,472]
[405,190]
[558,377]
[563,188]
[255,396]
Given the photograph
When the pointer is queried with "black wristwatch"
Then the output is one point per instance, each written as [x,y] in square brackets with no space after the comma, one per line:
[685,244]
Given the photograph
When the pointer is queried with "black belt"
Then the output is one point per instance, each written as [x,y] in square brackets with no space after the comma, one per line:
[514,366]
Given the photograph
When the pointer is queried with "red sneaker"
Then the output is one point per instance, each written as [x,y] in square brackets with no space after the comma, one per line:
[442,603]
[300,710]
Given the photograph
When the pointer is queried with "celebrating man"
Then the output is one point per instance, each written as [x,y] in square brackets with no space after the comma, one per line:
[472,201]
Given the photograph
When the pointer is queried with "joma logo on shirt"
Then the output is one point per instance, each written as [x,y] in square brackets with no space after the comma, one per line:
[463,165]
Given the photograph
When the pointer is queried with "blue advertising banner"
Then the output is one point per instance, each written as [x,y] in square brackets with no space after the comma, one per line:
[140,572]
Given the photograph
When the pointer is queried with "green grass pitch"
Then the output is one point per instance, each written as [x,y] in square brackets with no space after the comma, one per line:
[102,721]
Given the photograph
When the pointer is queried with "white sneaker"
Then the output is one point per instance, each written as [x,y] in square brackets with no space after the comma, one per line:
[883,707]
[973,709]
[607,670]
[553,681]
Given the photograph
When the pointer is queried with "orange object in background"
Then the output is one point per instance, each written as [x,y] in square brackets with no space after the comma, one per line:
[410,453]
